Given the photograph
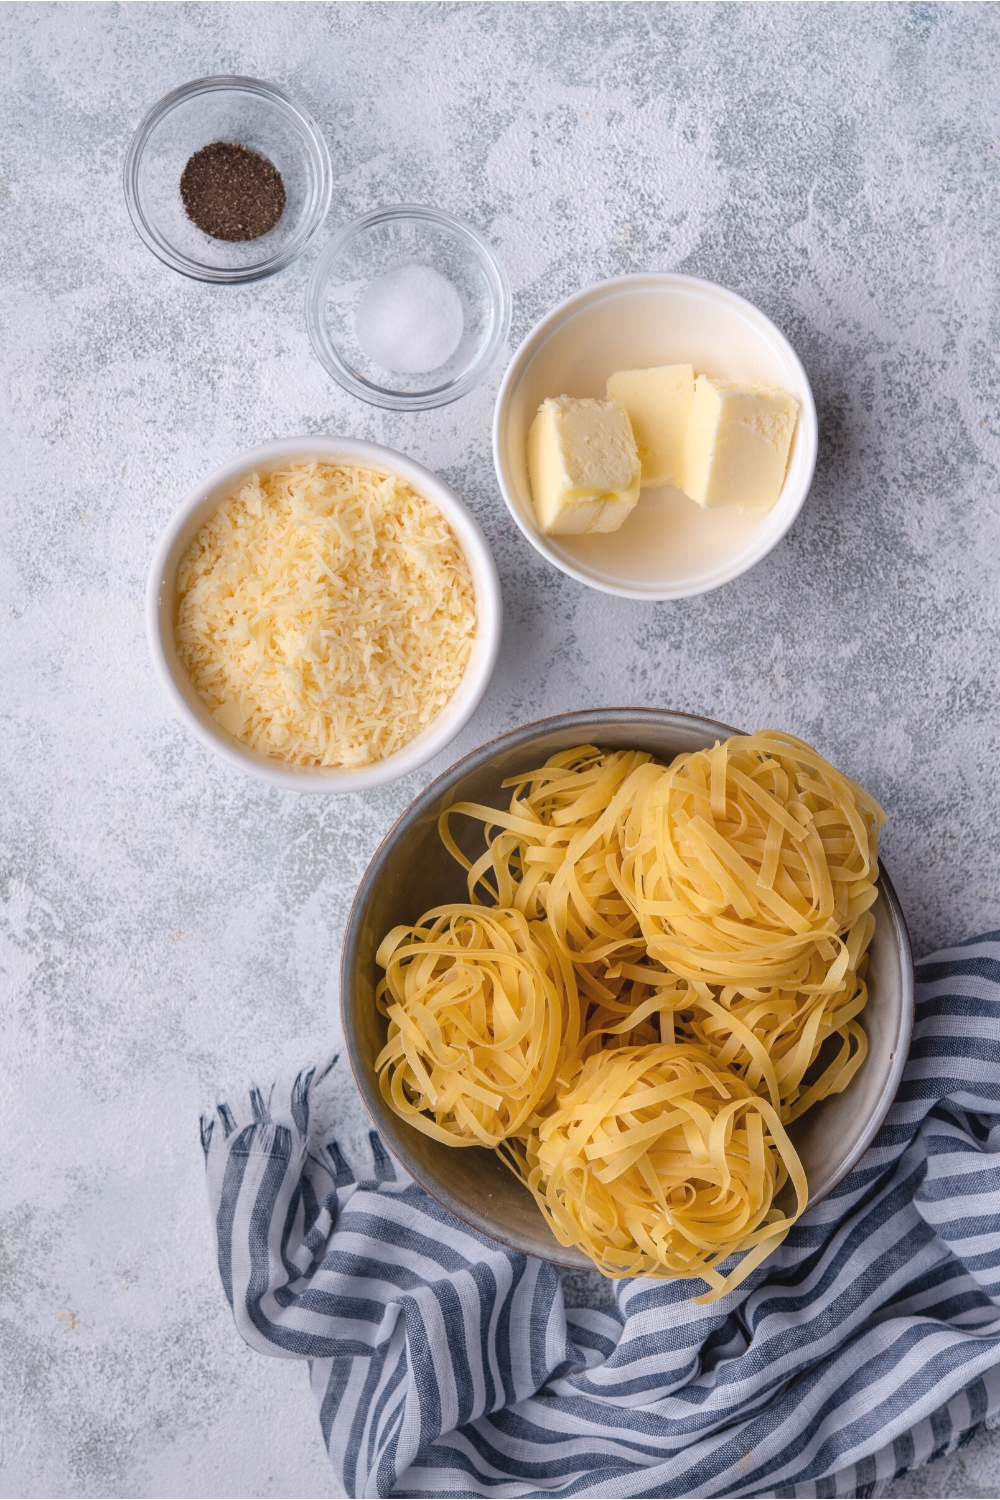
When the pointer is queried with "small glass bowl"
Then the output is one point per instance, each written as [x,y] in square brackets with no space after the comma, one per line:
[384,241]
[258,116]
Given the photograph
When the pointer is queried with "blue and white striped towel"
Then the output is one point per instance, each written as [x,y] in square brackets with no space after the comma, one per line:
[443,1364]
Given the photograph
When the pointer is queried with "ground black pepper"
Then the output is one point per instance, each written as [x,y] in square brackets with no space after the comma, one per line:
[231,192]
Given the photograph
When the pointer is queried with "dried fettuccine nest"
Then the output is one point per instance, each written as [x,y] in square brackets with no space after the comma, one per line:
[482,1017]
[659,1162]
[743,861]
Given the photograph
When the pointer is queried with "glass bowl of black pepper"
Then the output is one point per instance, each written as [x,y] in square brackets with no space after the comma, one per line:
[227,179]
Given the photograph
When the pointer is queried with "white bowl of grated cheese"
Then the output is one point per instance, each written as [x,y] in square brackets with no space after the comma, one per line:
[324,613]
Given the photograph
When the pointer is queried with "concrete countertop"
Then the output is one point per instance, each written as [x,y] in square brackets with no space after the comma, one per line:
[170,927]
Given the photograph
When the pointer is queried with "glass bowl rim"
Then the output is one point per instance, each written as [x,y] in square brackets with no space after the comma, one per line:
[316,148]
[441,395]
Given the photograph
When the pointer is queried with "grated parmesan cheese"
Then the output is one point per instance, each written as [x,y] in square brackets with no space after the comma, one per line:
[326,614]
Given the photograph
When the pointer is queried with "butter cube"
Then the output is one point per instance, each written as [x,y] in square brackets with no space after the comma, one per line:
[583,466]
[737,442]
[658,403]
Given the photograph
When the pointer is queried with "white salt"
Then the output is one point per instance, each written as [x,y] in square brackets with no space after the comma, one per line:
[409,320]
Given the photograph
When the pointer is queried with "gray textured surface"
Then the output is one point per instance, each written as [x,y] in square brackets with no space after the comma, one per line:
[168,926]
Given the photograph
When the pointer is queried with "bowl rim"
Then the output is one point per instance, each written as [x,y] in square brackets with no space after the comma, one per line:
[315,144]
[384,396]
[808,431]
[489,616]
[366,1082]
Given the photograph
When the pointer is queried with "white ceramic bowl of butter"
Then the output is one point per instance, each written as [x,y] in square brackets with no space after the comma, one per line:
[669,547]
[188,520]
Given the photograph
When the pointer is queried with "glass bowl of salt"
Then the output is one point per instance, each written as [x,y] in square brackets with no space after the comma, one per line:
[408,307]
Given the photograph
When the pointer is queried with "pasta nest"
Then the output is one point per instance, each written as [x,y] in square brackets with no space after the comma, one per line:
[745,861]
[658,1162]
[482,1012]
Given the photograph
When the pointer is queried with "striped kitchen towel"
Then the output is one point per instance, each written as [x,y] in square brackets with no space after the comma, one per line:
[443,1364]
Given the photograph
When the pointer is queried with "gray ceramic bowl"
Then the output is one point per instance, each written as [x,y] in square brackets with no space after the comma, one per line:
[412,871]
